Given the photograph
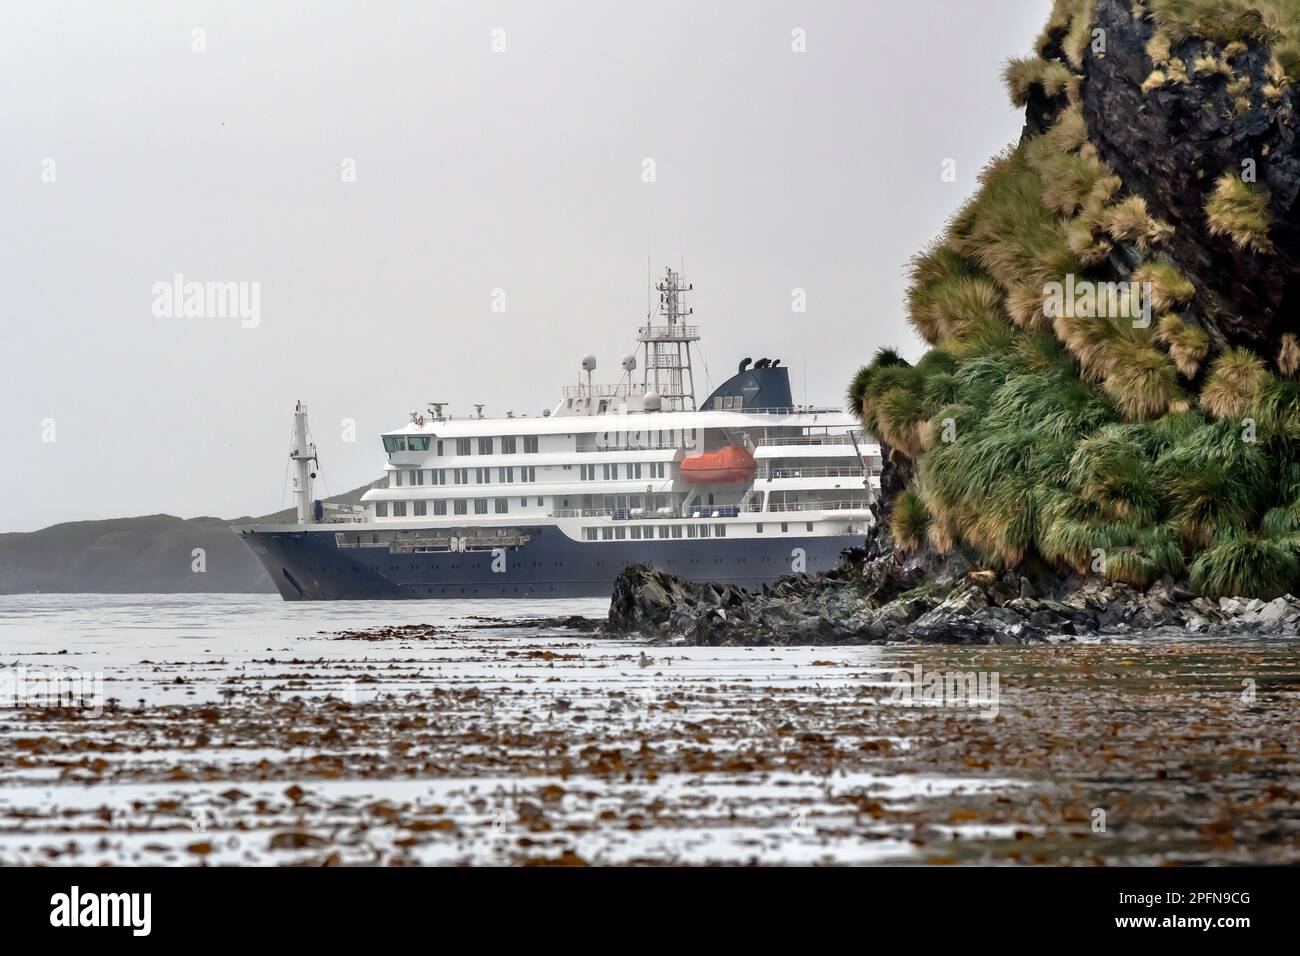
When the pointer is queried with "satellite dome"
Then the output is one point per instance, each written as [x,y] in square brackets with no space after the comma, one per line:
[629,362]
[589,363]
[651,402]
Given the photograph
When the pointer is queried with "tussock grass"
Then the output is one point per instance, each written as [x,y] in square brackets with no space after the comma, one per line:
[1288,354]
[1239,210]
[1169,288]
[1188,345]
[1079,35]
[1022,74]
[1129,220]
[909,521]
[1247,565]
[1144,385]
[1008,231]
[1235,381]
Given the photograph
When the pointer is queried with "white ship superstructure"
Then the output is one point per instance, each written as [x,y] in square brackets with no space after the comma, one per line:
[745,487]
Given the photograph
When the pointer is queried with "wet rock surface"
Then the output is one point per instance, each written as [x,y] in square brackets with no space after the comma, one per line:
[925,599]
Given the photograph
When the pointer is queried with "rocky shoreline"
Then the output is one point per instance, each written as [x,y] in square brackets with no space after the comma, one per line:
[893,597]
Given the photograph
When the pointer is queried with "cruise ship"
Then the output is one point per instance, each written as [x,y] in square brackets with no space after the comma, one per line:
[742,489]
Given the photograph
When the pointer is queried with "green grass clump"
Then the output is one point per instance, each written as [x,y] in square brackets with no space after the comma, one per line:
[909,521]
[1247,565]
[1235,381]
[1239,210]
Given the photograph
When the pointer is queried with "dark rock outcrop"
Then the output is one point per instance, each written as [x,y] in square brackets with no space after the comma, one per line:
[923,599]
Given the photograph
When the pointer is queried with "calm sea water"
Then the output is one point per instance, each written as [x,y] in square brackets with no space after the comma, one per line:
[103,630]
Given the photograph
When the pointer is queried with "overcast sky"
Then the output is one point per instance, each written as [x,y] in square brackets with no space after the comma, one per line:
[379,170]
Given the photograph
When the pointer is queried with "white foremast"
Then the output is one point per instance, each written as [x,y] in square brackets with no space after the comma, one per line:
[303,455]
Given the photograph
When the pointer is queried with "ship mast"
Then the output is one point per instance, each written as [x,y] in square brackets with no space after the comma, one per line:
[668,345]
[302,455]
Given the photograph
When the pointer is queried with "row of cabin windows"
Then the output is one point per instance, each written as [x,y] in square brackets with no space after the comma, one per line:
[630,470]
[510,444]
[460,476]
[439,506]
[646,532]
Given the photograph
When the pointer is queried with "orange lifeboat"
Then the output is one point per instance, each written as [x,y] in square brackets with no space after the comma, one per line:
[729,465]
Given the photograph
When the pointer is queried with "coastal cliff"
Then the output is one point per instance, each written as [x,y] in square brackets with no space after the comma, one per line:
[1111,386]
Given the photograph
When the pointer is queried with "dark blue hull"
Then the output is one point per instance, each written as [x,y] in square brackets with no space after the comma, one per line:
[310,566]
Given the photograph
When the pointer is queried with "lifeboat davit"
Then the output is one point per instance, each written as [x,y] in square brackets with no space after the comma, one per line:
[729,465]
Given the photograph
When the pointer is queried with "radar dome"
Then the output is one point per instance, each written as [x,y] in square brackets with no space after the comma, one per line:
[589,363]
[629,362]
[651,402]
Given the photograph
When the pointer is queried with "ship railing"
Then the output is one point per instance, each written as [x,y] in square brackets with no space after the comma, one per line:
[714,511]
[626,390]
[819,472]
[786,410]
[844,504]
[671,333]
[807,440]
[633,446]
